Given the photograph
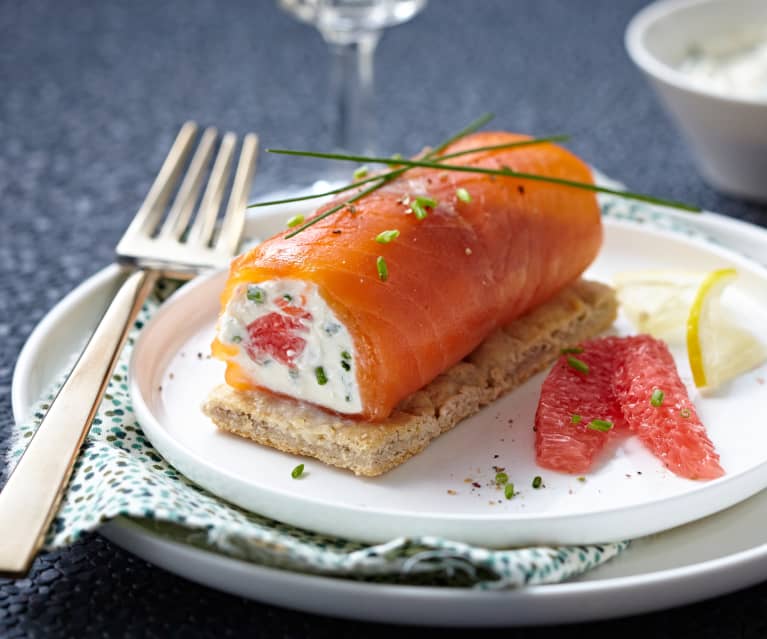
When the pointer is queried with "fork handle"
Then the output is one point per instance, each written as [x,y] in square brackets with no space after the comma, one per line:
[34,490]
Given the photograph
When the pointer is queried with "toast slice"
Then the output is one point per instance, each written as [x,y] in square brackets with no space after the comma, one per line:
[506,359]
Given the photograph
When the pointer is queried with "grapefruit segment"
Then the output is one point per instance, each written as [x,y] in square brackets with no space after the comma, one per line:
[633,383]
[275,335]
[669,428]
[570,400]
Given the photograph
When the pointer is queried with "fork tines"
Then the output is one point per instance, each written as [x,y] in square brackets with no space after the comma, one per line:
[183,240]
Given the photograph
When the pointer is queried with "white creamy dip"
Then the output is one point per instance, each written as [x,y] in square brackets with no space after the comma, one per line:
[291,342]
[734,66]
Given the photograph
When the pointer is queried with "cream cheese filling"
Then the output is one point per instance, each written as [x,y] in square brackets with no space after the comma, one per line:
[290,341]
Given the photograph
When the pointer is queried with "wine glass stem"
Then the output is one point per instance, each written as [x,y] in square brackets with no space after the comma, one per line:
[353,90]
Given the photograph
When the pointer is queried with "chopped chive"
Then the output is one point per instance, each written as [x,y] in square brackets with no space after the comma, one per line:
[346,365]
[383,271]
[577,364]
[508,490]
[295,221]
[576,419]
[657,397]
[287,297]
[602,425]
[501,479]
[322,378]
[256,294]
[537,481]
[463,195]
[574,350]
[418,210]
[685,412]
[360,173]
[346,355]
[237,339]
[581,479]
[297,471]
[424,200]
[384,237]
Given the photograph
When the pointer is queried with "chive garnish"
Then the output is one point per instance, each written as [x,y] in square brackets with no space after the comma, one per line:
[360,173]
[574,350]
[577,364]
[576,419]
[424,200]
[236,339]
[505,172]
[685,412]
[463,195]
[602,425]
[581,479]
[383,271]
[418,210]
[657,397]
[346,355]
[297,471]
[322,378]
[287,297]
[256,294]
[395,159]
[345,365]
[501,479]
[295,221]
[379,180]
[384,237]
[508,491]
[537,481]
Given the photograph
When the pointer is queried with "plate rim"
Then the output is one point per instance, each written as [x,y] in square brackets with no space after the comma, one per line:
[529,605]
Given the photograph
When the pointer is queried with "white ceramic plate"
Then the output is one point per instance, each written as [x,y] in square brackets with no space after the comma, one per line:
[709,557]
[449,489]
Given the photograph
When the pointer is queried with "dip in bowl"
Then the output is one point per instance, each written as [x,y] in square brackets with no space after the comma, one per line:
[707,61]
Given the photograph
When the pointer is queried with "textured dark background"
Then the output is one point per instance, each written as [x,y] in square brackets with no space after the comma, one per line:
[92,93]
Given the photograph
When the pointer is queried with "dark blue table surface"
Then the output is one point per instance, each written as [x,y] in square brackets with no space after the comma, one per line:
[91,95]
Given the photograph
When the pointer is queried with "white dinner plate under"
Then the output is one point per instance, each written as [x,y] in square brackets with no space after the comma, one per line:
[705,558]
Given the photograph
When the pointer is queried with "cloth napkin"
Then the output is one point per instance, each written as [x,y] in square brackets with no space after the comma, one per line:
[119,474]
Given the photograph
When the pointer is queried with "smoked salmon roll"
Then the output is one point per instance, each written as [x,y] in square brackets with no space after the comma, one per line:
[368,305]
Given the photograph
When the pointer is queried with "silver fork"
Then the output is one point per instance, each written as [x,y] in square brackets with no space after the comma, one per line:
[149,250]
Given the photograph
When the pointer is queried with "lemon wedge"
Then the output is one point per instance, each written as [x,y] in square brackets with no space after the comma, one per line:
[717,348]
[684,307]
[657,302]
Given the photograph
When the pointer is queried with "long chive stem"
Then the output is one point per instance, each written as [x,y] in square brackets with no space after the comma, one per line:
[470,128]
[508,145]
[354,185]
[314,196]
[481,121]
[337,208]
[429,164]
[388,177]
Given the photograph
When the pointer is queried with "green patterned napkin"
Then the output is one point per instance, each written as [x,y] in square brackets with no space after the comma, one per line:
[120,474]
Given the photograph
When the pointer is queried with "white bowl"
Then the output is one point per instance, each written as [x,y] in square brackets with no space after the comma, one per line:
[727,134]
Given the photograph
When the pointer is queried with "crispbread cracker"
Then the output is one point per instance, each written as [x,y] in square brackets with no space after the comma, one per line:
[506,359]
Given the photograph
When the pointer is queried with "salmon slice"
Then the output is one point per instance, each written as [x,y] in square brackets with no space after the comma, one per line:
[453,277]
